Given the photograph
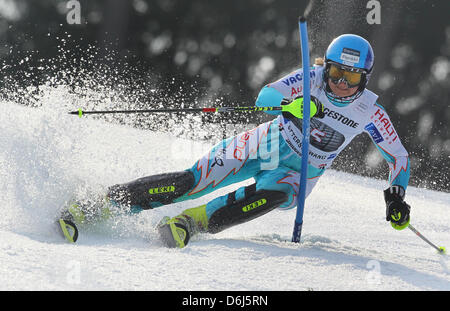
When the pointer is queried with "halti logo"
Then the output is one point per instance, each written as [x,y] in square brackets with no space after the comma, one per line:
[387,130]
[377,137]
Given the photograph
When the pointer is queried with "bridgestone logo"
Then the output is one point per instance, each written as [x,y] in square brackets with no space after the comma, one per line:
[341,118]
[254,205]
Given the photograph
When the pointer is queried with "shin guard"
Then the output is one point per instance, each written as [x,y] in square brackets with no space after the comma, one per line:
[254,204]
[152,191]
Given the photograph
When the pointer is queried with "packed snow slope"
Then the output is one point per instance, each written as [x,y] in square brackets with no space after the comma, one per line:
[48,157]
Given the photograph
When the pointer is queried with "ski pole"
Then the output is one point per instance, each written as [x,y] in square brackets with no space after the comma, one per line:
[441,249]
[295,108]
[80,112]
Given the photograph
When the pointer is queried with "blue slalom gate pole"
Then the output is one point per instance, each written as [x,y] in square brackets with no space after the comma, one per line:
[305,130]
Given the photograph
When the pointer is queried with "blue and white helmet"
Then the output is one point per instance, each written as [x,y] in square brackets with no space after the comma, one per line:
[354,53]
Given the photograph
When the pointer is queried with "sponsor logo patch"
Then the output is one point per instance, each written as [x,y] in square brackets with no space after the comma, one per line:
[159,190]
[332,156]
[297,78]
[254,205]
[350,55]
[376,135]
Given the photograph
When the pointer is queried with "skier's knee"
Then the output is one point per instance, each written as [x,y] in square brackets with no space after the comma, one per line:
[237,211]
[152,191]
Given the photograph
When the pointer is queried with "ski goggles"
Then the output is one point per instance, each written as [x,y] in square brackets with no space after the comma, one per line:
[352,77]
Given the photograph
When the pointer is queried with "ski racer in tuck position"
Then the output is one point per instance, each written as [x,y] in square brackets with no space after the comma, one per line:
[341,108]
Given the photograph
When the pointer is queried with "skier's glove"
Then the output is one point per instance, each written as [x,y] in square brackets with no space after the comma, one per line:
[294,108]
[397,210]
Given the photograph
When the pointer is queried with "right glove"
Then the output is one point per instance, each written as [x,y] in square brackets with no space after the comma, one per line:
[397,210]
[294,108]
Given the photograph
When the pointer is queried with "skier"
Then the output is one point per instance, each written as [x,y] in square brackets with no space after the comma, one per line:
[341,108]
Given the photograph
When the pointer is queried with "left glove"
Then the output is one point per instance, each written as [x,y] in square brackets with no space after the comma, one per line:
[294,108]
[397,210]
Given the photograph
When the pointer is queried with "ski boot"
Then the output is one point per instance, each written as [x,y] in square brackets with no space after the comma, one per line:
[78,213]
[177,231]
[67,222]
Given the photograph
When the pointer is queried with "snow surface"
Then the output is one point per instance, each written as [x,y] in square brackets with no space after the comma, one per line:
[48,156]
